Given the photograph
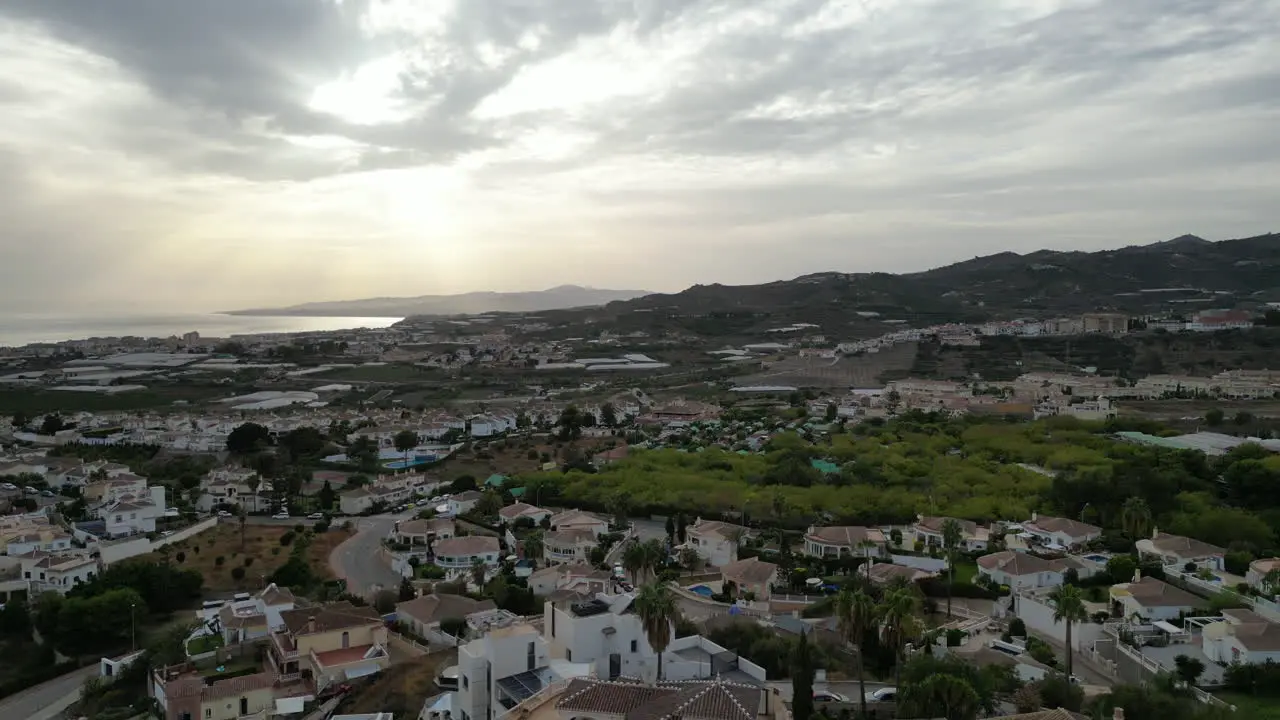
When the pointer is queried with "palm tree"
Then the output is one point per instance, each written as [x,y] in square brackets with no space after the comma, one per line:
[856,613]
[899,625]
[1068,607]
[244,519]
[478,572]
[655,556]
[533,545]
[951,536]
[634,560]
[1135,517]
[656,607]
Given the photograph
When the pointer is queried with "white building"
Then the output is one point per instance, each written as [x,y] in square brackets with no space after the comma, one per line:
[579,520]
[1021,571]
[715,542]
[1242,637]
[134,514]
[523,511]
[1179,550]
[604,632]
[508,664]
[1061,532]
[568,546]
[458,554]
[843,541]
[57,573]
[243,619]
[1151,599]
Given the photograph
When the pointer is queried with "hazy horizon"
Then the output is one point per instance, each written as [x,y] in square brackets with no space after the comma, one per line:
[211,155]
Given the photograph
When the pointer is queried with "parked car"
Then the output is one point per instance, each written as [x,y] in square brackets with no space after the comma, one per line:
[885,694]
[828,696]
[280,516]
[223,514]
[316,516]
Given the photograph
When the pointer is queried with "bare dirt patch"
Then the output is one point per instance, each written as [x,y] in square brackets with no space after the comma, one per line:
[402,689]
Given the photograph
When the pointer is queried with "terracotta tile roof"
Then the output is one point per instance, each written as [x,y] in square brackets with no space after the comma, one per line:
[1067,526]
[342,656]
[750,570]
[696,700]
[1151,592]
[576,517]
[569,538]
[1184,546]
[238,686]
[275,595]
[518,510]
[934,525]
[715,527]
[885,572]
[436,607]
[1056,714]
[845,535]
[329,617]
[423,527]
[1016,563]
[469,545]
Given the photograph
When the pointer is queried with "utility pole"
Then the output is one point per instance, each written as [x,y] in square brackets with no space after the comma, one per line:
[133,635]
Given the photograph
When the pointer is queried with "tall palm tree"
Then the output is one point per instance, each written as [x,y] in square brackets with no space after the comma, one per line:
[1135,517]
[477,573]
[656,606]
[1068,607]
[634,560]
[899,624]
[655,556]
[951,536]
[856,613]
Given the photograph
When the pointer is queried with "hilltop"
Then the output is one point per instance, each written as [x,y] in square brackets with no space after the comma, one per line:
[1183,274]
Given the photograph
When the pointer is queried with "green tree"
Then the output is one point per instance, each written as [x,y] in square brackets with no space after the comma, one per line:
[478,571]
[608,415]
[1189,669]
[656,607]
[952,534]
[671,529]
[856,615]
[802,672]
[327,496]
[1120,568]
[248,438]
[1135,517]
[945,696]
[899,624]
[1068,607]
[404,441]
[1214,417]
[571,422]
[533,545]
[682,528]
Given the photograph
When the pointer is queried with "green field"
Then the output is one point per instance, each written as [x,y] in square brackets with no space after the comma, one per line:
[395,373]
[1253,708]
[35,401]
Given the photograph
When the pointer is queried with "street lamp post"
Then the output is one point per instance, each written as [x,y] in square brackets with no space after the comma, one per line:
[133,635]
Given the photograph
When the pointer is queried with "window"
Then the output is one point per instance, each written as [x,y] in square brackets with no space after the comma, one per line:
[466,684]
[532,658]
[568,655]
[634,645]
[208,712]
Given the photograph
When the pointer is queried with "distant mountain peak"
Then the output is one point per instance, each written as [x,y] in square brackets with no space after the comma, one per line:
[1185,240]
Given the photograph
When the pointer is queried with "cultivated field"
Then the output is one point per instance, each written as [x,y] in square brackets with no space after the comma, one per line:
[861,371]
[260,554]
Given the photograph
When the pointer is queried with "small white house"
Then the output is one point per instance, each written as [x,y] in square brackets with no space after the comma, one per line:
[1151,599]
[1061,532]
[1179,550]
[715,542]
[1243,637]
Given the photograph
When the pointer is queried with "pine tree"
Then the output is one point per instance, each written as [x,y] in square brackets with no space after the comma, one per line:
[802,680]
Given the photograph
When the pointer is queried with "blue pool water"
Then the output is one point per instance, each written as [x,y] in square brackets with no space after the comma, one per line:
[402,465]
[702,590]
[1097,558]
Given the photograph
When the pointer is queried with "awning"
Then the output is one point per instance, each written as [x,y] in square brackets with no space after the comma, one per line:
[361,671]
[1168,627]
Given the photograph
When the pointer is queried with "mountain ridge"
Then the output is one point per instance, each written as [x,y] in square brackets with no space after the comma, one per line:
[556,298]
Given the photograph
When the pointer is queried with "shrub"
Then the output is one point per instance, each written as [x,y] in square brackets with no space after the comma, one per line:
[1017,627]
[237,573]
[432,572]
[275,551]
[321,526]
[218,561]
[180,556]
[286,538]
[248,561]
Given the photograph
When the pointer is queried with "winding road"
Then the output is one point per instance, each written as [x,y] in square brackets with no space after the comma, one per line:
[359,559]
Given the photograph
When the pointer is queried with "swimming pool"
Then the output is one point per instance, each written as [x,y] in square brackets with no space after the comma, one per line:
[1097,557]
[702,590]
[417,460]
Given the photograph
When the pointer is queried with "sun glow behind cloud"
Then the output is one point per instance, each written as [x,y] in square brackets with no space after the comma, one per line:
[285,152]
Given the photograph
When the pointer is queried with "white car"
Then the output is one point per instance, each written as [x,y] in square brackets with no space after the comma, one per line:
[280,516]
[828,696]
[316,516]
[885,694]
[223,513]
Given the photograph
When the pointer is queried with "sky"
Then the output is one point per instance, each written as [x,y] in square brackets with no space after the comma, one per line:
[197,155]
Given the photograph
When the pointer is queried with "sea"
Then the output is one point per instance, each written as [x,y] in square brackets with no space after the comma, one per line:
[19,329]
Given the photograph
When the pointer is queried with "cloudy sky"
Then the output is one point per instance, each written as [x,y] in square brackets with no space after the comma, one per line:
[205,154]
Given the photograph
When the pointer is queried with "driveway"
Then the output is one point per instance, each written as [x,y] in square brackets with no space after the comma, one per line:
[359,559]
[49,699]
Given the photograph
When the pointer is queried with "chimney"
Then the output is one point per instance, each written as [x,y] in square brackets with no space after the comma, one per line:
[1117,714]
[311,624]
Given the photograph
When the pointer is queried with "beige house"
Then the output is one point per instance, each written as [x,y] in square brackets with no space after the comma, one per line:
[886,573]
[715,542]
[523,511]
[183,695]
[329,644]
[843,541]
[424,532]
[973,537]
[1179,550]
[568,546]
[579,520]
[423,615]
[752,575]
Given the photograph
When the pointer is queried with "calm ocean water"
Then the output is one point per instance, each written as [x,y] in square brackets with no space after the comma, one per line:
[17,330]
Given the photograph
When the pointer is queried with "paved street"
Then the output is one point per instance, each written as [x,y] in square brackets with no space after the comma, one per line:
[48,699]
[358,560]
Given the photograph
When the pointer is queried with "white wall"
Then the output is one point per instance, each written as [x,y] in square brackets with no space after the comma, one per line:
[1038,615]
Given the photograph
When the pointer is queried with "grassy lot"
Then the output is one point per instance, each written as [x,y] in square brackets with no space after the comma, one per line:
[204,644]
[402,689]
[1254,708]
[260,554]
[966,572]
